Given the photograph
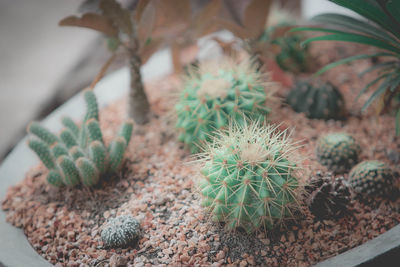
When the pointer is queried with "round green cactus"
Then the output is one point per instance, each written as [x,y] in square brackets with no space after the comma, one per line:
[249,178]
[337,151]
[372,178]
[319,101]
[217,93]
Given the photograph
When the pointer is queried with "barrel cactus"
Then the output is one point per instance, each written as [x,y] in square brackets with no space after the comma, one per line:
[317,100]
[120,232]
[372,178]
[337,151]
[79,155]
[216,93]
[249,178]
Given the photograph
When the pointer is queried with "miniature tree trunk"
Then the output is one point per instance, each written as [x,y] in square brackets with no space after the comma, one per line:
[138,103]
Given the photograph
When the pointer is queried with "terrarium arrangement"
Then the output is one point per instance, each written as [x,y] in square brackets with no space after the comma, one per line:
[247,178]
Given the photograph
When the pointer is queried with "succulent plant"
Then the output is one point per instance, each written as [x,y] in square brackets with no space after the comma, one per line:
[120,232]
[372,178]
[337,151]
[317,100]
[79,155]
[217,93]
[249,177]
[292,56]
[329,197]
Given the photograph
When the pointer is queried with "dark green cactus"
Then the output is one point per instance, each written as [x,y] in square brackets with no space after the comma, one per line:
[249,178]
[215,94]
[317,101]
[292,56]
[372,178]
[79,155]
[337,151]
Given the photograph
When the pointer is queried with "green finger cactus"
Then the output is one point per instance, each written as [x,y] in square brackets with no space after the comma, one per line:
[337,151]
[216,93]
[79,155]
[250,178]
[317,100]
[372,178]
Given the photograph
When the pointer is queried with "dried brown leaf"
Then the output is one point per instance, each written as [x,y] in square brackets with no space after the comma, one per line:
[140,9]
[255,17]
[92,21]
[145,22]
[102,71]
[121,17]
[204,20]
[176,58]
[147,50]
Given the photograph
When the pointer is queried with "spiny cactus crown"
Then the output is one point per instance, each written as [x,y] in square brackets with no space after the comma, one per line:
[120,232]
[317,100]
[372,178]
[249,177]
[78,154]
[214,94]
[337,151]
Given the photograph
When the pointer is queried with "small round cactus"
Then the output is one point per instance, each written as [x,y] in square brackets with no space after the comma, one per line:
[317,100]
[120,232]
[216,93]
[372,178]
[337,151]
[249,178]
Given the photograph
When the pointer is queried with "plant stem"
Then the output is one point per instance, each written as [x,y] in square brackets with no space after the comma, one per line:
[138,104]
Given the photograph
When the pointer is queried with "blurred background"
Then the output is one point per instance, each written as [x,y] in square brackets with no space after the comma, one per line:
[42,64]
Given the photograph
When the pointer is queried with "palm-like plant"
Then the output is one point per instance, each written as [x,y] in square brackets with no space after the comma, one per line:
[381,30]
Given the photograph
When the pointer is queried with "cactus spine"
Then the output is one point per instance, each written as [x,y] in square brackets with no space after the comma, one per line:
[216,93]
[249,178]
[79,155]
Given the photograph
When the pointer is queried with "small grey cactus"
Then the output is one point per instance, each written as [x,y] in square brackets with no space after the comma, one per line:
[121,231]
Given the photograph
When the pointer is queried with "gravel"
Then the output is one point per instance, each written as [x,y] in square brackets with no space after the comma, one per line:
[157,187]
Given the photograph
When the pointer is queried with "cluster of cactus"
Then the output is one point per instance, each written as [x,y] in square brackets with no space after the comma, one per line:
[317,100]
[292,56]
[120,232]
[216,93]
[78,154]
[372,178]
[249,178]
[329,197]
[337,151]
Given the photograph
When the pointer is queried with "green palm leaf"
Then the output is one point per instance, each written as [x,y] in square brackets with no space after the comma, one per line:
[355,38]
[372,11]
[348,22]
[381,89]
[350,59]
